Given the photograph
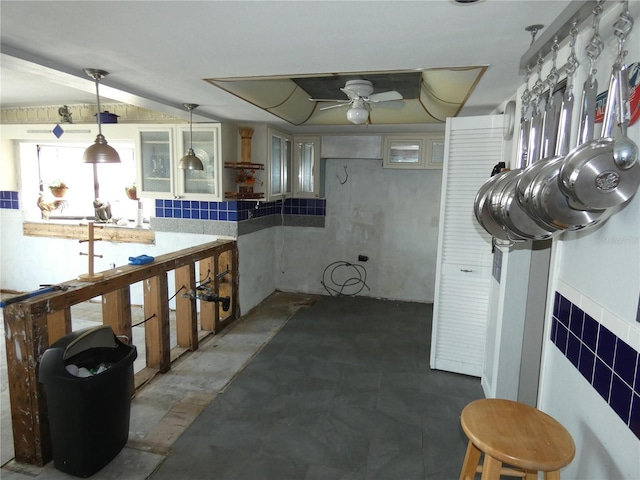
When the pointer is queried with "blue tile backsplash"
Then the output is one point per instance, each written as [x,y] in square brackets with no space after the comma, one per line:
[9,200]
[238,210]
[609,364]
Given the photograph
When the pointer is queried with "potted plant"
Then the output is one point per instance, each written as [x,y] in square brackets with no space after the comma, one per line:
[58,188]
[246,179]
[132,192]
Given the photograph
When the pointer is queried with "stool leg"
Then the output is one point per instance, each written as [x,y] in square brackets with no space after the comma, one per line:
[491,468]
[555,475]
[530,475]
[471,460]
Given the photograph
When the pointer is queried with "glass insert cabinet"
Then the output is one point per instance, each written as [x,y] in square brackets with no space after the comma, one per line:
[307,166]
[159,150]
[294,165]
[280,164]
[414,151]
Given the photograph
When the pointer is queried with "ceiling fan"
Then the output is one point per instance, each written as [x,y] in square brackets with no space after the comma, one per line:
[361,97]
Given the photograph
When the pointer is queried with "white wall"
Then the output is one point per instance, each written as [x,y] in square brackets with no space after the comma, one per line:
[599,270]
[256,259]
[8,180]
[389,215]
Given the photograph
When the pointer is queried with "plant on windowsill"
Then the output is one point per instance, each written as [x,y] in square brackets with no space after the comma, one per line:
[58,188]
[132,192]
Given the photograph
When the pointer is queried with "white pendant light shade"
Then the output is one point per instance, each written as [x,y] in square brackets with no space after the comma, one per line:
[190,161]
[100,151]
[359,113]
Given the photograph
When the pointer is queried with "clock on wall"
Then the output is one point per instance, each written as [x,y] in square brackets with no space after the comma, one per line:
[509,120]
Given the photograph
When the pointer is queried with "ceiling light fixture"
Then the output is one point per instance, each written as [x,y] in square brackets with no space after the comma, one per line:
[190,161]
[100,151]
[358,113]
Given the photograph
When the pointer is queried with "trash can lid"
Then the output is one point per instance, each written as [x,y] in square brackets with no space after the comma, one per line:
[96,337]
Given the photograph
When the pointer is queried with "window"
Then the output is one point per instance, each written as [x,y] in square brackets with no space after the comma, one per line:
[48,164]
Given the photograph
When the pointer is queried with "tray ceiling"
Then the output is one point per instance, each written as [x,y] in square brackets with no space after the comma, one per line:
[429,96]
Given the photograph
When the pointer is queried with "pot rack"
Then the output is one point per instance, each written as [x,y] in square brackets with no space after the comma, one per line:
[577,11]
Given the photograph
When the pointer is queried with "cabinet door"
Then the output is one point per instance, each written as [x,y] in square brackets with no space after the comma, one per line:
[275,166]
[206,145]
[280,164]
[306,166]
[287,167]
[155,149]
[472,146]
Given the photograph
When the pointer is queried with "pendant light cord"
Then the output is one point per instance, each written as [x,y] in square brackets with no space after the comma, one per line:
[191,128]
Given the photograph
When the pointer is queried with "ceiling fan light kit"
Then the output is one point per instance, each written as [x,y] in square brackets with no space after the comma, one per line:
[100,151]
[361,97]
[358,114]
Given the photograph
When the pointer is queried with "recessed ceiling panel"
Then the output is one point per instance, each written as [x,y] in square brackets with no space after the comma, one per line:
[428,96]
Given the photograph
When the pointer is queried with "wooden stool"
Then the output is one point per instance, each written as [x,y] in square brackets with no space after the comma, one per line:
[515,434]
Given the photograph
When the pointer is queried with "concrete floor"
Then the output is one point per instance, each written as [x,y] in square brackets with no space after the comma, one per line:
[163,408]
[343,390]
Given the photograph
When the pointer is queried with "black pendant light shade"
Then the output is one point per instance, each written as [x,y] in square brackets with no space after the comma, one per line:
[100,151]
[190,161]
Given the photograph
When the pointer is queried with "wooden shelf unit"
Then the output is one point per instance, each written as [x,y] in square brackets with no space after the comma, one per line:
[244,165]
[244,195]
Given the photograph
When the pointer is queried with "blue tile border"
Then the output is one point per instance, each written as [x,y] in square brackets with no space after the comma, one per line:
[9,200]
[238,210]
[610,365]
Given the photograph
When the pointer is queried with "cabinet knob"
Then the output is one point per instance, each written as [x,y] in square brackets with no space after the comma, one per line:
[465,270]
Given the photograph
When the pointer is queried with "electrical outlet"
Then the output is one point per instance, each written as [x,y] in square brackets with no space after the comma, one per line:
[362,258]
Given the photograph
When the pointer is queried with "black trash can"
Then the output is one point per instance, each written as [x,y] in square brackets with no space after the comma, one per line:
[88,381]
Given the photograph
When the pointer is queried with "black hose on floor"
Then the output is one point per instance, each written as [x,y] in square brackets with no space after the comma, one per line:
[335,288]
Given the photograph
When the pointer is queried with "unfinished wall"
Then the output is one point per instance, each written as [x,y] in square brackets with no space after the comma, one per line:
[391,216]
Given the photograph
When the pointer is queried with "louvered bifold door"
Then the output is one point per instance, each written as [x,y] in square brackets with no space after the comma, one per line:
[473,145]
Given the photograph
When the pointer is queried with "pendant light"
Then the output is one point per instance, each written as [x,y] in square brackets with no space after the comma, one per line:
[190,161]
[99,152]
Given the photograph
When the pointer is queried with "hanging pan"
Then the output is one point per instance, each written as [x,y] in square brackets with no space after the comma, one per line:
[504,204]
[482,209]
[556,103]
[545,201]
[483,215]
[605,173]
[529,174]
[551,206]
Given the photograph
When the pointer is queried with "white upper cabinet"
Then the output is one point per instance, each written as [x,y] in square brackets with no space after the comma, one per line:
[154,152]
[414,151]
[160,148]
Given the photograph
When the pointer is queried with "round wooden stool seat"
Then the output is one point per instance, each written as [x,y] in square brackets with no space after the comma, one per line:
[515,434]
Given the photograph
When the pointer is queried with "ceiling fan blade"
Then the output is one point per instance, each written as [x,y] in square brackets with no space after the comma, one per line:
[391,104]
[344,104]
[329,100]
[350,93]
[385,96]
